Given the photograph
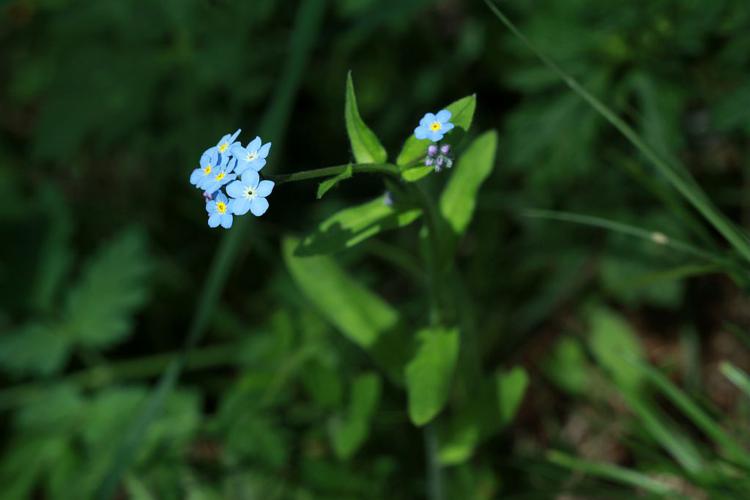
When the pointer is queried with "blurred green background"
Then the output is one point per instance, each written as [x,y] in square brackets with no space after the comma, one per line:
[105,107]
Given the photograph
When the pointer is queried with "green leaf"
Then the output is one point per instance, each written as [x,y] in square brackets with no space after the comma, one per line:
[351,226]
[328,184]
[349,433]
[100,307]
[615,346]
[462,114]
[365,144]
[415,173]
[567,366]
[358,313]
[458,200]
[511,387]
[429,373]
[34,349]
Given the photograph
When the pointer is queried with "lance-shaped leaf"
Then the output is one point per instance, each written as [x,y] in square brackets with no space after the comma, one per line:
[511,387]
[350,431]
[365,144]
[351,226]
[459,198]
[357,312]
[430,372]
[329,184]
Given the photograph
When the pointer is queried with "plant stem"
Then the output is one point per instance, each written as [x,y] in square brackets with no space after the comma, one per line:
[434,469]
[365,168]
[132,369]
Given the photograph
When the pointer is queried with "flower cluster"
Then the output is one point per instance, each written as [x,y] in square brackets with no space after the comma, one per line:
[434,127]
[228,176]
[439,157]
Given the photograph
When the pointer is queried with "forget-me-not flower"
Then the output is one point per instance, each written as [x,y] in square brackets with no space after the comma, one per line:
[208,163]
[220,175]
[225,144]
[218,212]
[253,156]
[434,126]
[249,193]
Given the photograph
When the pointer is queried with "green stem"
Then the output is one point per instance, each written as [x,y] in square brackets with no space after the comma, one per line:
[364,168]
[132,369]
[434,469]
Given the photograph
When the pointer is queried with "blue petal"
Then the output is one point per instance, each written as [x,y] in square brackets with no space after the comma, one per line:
[214,220]
[421,132]
[226,220]
[235,189]
[231,164]
[258,206]
[238,151]
[254,145]
[443,116]
[210,206]
[435,135]
[220,197]
[234,136]
[427,119]
[196,177]
[239,206]
[263,151]
[447,127]
[241,167]
[251,178]
[257,164]
[265,188]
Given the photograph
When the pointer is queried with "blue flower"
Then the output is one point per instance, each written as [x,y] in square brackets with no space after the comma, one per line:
[220,175]
[434,127]
[249,193]
[225,144]
[218,212]
[253,156]
[208,163]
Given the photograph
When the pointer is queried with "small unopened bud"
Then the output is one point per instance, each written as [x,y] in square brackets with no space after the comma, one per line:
[445,149]
[429,161]
[432,150]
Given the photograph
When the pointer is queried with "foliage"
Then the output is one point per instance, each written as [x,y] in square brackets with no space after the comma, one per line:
[385,330]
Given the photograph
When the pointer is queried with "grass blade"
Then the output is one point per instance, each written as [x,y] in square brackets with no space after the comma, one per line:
[680,179]
[307,24]
[736,376]
[611,472]
[696,414]
[655,237]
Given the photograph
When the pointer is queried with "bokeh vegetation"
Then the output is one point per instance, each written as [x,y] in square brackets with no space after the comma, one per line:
[602,318]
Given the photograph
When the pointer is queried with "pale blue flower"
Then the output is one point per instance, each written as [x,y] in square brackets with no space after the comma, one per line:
[249,193]
[209,162]
[218,212]
[225,144]
[220,175]
[253,156]
[434,127]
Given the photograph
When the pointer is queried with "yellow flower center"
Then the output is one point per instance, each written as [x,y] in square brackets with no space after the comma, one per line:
[221,207]
[220,176]
[435,126]
[207,169]
[223,147]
